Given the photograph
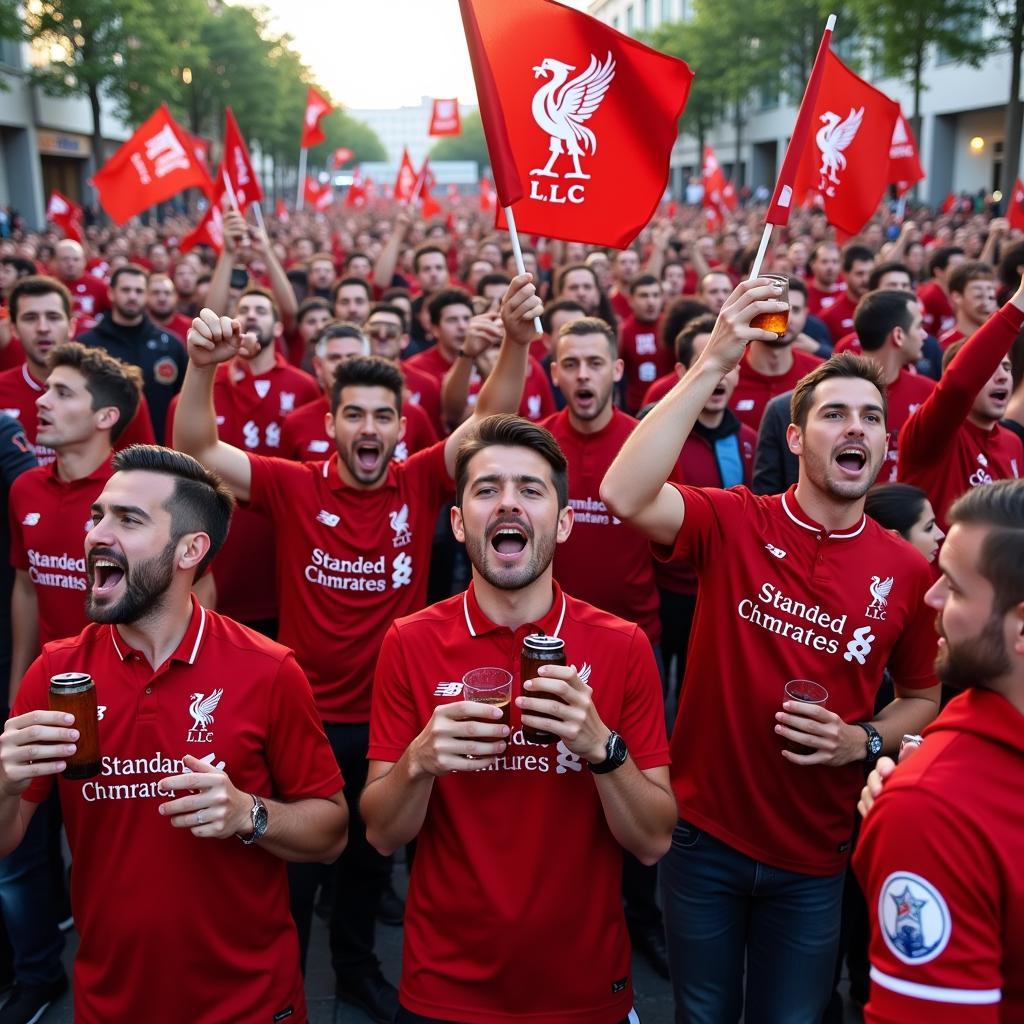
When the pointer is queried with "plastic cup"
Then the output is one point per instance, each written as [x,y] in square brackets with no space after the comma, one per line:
[777,322]
[807,691]
[490,686]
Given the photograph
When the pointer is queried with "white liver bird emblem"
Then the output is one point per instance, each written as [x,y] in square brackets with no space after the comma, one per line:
[880,591]
[834,137]
[203,707]
[560,107]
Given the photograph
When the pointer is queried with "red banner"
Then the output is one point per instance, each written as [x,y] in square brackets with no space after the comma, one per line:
[318,106]
[580,120]
[320,197]
[66,214]
[905,168]
[209,231]
[444,118]
[237,167]
[406,181]
[719,195]
[1015,208]
[355,197]
[341,156]
[488,197]
[157,162]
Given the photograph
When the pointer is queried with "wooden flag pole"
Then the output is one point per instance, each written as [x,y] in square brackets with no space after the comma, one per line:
[302,180]
[518,253]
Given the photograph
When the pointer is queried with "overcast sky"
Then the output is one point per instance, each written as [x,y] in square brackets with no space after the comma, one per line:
[382,53]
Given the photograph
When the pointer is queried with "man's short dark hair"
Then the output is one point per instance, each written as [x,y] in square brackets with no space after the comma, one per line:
[512,432]
[590,325]
[262,293]
[366,372]
[199,503]
[559,306]
[109,381]
[354,256]
[643,281]
[846,364]
[826,244]
[939,259]
[1009,272]
[797,284]
[856,253]
[566,271]
[677,316]
[887,268]
[489,279]
[38,285]
[387,307]
[396,293]
[424,250]
[129,269]
[970,270]
[878,313]
[346,282]
[445,298]
[22,266]
[307,306]
[684,339]
[1000,507]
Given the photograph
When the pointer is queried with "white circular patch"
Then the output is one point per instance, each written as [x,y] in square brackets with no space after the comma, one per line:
[914,919]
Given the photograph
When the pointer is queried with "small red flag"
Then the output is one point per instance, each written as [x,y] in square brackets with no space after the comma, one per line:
[848,165]
[948,203]
[237,167]
[406,181]
[355,197]
[1015,209]
[201,147]
[320,197]
[281,211]
[782,197]
[157,162]
[317,107]
[488,197]
[209,231]
[341,156]
[444,118]
[66,214]
[579,119]
[719,195]
[453,192]
[905,168]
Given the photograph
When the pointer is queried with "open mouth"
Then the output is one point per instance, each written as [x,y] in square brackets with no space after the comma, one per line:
[999,395]
[509,541]
[367,455]
[719,392]
[852,460]
[106,574]
[584,396]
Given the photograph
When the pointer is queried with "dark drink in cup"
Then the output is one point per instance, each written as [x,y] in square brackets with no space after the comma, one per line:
[74,693]
[777,322]
[538,650]
[808,692]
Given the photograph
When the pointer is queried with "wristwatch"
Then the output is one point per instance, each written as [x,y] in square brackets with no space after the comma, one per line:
[259,821]
[615,755]
[874,742]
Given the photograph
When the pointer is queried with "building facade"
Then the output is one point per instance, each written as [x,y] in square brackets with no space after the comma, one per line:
[404,127]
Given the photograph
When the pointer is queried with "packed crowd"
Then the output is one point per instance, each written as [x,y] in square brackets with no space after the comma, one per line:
[738,538]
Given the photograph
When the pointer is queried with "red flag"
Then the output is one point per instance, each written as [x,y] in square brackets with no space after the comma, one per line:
[341,156]
[848,165]
[488,197]
[356,195]
[405,183]
[201,147]
[281,211]
[782,197]
[1015,209]
[237,167]
[444,118]
[209,231]
[905,168]
[719,195]
[66,214]
[579,144]
[157,162]
[320,197]
[948,203]
[317,107]
[453,192]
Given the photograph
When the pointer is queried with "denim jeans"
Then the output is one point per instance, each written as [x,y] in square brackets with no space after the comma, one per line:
[724,910]
[30,901]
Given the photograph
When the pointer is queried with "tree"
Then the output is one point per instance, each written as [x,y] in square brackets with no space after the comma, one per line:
[343,130]
[1010,16]
[470,145]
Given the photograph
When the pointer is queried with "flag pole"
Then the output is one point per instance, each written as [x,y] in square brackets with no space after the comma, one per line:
[755,269]
[517,252]
[302,180]
[258,211]
[232,198]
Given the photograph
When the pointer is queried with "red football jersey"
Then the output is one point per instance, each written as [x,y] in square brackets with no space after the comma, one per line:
[425,391]
[49,519]
[644,358]
[939,860]
[905,395]
[620,304]
[430,361]
[819,301]
[938,315]
[660,388]
[755,390]
[950,337]
[304,436]
[516,870]
[538,401]
[178,324]
[848,343]
[18,393]
[350,562]
[940,450]
[140,884]
[781,598]
[605,560]
[88,301]
[838,318]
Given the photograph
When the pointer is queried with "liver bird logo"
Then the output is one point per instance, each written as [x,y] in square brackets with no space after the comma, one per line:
[880,591]
[561,106]
[203,707]
[833,138]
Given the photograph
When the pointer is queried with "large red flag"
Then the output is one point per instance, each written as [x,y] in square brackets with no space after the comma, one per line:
[318,106]
[444,118]
[157,162]
[237,166]
[782,198]
[1015,208]
[209,231]
[905,168]
[719,195]
[848,166]
[579,141]
[407,179]
[66,214]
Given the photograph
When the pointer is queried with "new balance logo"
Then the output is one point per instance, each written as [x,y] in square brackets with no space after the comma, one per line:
[773,550]
[31,519]
[448,689]
[327,518]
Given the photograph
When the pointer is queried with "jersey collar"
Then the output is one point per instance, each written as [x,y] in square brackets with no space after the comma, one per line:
[187,650]
[792,509]
[478,623]
[29,379]
[101,474]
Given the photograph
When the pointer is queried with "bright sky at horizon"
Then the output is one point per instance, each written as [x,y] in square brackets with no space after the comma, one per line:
[388,53]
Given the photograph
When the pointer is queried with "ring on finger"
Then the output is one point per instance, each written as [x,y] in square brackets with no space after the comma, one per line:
[200,818]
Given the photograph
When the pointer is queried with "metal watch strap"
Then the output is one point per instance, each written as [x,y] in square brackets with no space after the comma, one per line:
[257,821]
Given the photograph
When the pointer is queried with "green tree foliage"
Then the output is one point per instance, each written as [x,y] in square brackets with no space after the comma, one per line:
[470,145]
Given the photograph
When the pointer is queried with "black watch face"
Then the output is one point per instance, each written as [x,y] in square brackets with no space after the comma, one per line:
[260,818]
[618,750]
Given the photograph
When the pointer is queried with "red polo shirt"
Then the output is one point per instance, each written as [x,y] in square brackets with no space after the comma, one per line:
[781,598]
[625,584]
[940,450]
[49,519]
[644,358]
[660,388]
[538,401]
[838,318]
[424,391]
[304,436]
[950,337]
[938,315]
[905,395]
[18,393]
[516,870]
[755,390]
[177,324]
[430,361]
[88,301]
[141,886]
[350,561]
[819,301]
[939,860]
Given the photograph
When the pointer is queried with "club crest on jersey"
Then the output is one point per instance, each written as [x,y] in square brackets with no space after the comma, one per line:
[914,918]
[560,107]
[287,401]
[201,709]
[879,589]
[399,520]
